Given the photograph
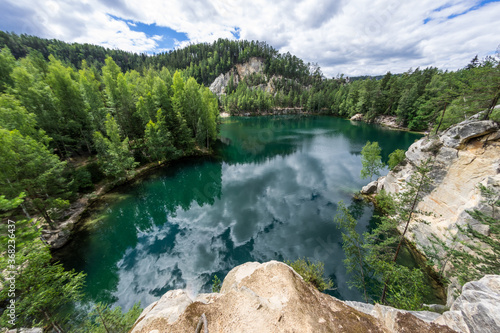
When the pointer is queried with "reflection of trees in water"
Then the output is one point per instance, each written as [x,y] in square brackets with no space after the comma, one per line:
[258,139]
[100,251]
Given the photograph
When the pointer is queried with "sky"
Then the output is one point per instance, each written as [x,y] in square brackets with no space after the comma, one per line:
[351,37]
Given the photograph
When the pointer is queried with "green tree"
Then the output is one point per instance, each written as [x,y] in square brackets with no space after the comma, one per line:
[395,158]
[114,155]
[415,188]
[158,139]
[216,284]
[14,116]
[28,166]
[371,160]
[42,289]
[74,121]
[104,319]
[311,272]
[7,64]
[355,251]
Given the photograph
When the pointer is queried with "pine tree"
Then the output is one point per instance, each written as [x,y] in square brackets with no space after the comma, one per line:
[355,251]
[114,155]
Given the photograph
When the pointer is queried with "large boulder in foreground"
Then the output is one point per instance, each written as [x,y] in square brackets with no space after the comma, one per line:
[272,297]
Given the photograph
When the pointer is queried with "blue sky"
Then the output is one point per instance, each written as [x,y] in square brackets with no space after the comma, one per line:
[166,38]
[353,37]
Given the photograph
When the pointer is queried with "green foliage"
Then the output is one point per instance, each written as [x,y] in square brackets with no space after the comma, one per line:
[114,155]
[104,319]
[385,202]
[355,252]
[32,169]
[406,287]
[311,273]
[372,260]
[216,284]
[395,158]
[371,160]
[42,289]
[159,140]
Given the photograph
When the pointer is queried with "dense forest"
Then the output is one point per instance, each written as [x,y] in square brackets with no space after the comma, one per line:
[420,98]
[76,115]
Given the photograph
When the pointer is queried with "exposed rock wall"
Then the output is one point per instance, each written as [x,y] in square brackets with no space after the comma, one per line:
[462,157]
[239,72]
[384,120]
[272,297]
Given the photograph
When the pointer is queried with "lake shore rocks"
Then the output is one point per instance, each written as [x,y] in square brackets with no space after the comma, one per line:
[272,297]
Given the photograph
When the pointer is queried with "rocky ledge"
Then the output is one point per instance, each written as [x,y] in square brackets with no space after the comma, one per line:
[388,121]
[272,297]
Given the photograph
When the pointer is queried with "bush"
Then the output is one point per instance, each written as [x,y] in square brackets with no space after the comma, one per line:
[395,158]
[311,273]
[385,202]
[216,284]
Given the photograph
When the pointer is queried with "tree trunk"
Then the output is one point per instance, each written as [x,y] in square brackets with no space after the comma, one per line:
[54,324]
[493,103]
[441,120]
[402,238]
[102,319]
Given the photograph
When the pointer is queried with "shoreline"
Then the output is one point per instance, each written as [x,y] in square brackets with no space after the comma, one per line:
[62,235]
[299,111]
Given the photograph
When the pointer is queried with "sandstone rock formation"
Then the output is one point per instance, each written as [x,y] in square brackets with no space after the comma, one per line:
[384,120]
[462,157]
[477,309]
[272,297]
[239,72]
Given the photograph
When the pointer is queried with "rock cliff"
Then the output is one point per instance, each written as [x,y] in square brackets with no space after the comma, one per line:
[272,297]
[462,157]
[239,72]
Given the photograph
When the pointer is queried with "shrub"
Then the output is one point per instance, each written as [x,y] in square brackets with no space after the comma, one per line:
[216,284]
[395,158]
[311,273]
[385,202]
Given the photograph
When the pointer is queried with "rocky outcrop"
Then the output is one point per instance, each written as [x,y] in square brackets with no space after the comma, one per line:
[272,297]
[477,309]
[220,83]
[388,121]
[462,157]
[239,72]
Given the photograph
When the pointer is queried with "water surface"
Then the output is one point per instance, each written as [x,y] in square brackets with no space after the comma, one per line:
[269,194]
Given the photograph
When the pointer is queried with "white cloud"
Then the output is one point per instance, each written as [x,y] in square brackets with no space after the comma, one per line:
[353,37]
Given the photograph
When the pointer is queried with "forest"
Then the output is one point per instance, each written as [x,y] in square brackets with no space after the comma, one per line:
[73,116]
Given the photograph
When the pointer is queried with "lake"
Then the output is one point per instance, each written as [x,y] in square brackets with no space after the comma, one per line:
[269,193]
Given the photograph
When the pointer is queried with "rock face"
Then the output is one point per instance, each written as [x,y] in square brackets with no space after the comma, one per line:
[272,297]
[462,157]
[477,309]
[239,72]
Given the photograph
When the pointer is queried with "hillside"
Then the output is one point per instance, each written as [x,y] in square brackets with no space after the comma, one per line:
[420,99]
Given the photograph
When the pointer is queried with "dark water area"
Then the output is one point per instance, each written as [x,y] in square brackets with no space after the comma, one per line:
[270,193]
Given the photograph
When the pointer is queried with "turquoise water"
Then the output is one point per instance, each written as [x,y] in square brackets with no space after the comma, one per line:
[270,193]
